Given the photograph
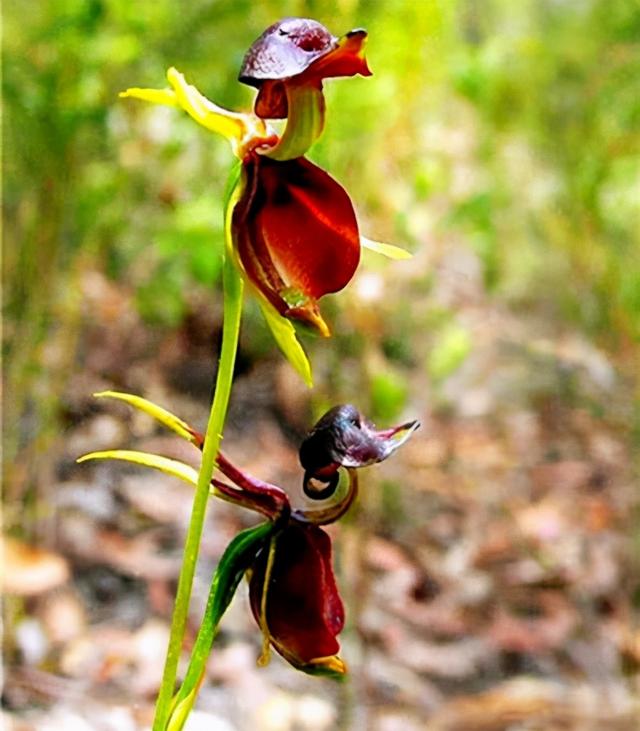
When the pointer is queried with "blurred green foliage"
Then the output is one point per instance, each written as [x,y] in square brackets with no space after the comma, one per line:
[511,128]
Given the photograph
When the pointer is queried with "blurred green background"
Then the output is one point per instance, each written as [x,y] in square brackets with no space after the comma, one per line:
[509,130]
[499,141]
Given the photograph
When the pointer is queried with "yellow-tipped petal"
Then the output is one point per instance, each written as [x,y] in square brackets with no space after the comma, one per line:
[388,250]
[157,462]
[232,125]
[332,665]
[166,418]
[155,96]
[244,131]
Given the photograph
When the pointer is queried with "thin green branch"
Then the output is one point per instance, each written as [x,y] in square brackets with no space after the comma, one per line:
[233,288]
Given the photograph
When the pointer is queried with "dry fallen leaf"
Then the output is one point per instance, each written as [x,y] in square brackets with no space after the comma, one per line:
[28,570]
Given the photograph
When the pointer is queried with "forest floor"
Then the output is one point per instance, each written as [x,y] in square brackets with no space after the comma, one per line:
[488,572]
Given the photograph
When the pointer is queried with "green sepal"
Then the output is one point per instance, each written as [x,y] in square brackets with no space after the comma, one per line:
[236,560]
[164,417]
[285,336]
[305,122]
[164,464]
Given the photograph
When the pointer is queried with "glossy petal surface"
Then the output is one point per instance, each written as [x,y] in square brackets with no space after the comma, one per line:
[298,51]
[344,438]
[285,49]
[295,233]
[304,610]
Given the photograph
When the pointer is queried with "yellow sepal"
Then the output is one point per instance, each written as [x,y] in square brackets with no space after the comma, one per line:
[388,250]
[164,464]
[240,129]
[166,418]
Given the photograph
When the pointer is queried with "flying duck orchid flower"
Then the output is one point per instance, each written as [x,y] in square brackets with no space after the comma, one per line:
[290,228]
[292,587]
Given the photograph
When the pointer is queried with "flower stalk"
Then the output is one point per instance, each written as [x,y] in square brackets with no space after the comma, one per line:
[233,289]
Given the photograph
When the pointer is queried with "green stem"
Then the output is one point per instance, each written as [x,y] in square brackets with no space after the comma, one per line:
[237,558]
[233,288]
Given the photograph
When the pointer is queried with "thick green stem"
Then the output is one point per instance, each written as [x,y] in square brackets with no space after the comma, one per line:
[233,288]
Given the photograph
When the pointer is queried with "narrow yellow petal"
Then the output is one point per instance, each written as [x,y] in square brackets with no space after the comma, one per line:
[265,655]
[242,130]
[155,96]
[164,464]
[156,412]
[232,125]
[388,250]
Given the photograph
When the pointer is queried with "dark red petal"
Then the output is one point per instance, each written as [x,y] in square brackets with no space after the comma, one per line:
[285,49]
[308,226]
[296,234]
[344,437]
[304,610]
[346,59]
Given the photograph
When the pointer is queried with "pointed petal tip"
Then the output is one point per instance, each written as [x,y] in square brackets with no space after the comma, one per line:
[332,667]
[309,315]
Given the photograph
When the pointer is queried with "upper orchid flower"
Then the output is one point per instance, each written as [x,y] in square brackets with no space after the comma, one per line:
[292,587]
[290,227]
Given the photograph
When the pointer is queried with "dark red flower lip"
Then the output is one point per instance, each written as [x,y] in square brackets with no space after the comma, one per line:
[298,51]
[344,438]
[296,236]
[303,613]
[285,49]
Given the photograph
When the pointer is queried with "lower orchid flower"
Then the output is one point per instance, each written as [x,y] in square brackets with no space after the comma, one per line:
[292,587]
[290,227]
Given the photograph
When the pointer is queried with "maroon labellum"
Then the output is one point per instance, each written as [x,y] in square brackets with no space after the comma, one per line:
[288,51]
[344,438]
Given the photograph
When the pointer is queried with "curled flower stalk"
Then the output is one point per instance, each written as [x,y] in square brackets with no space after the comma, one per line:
[293,591]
